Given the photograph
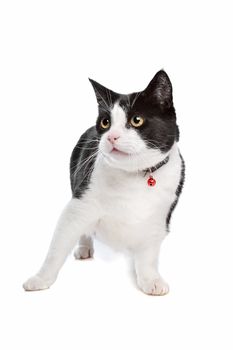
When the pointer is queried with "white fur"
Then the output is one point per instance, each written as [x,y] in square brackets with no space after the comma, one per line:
[120,208]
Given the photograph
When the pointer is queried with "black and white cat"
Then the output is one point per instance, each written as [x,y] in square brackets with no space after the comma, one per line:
[126,177]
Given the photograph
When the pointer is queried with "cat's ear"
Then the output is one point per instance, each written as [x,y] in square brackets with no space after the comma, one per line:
[160,89]
[104,96]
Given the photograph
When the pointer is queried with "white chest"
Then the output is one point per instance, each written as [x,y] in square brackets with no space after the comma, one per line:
[129,208]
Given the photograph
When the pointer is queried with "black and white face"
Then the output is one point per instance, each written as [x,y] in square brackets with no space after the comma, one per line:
[136,130]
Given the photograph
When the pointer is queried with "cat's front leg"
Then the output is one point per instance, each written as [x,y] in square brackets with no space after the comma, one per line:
[146,266]
[77,219]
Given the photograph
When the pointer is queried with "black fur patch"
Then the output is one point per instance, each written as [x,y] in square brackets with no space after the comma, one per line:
[178,192]
[82,161]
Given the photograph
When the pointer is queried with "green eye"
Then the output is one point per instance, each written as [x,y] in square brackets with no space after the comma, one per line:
[137,121]
[105,123]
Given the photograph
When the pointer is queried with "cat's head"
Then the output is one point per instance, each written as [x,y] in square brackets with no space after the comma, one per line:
[136,130]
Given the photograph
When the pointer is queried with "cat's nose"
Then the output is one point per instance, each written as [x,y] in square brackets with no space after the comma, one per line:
[113,137]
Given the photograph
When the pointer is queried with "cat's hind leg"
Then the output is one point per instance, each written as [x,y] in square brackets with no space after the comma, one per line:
[85,250]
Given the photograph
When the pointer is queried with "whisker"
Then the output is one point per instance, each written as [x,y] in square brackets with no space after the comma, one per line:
[98,93]
[79,166]
[104,109]
[88,140]
[128,98]
[88,174]
[86,148]
[109,97]
[135,99]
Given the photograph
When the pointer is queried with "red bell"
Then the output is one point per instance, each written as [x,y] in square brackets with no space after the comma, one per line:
[151,181]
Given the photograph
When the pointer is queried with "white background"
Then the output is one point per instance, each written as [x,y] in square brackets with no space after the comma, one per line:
[48,50]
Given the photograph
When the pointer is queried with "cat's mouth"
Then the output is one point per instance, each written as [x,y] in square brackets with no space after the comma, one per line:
[117,151]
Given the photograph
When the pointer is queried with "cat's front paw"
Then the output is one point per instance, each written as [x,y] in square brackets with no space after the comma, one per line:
[36,283]
[154,286]
[83,252]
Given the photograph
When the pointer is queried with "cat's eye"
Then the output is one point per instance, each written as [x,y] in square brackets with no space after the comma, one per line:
[137,121]
[105,123]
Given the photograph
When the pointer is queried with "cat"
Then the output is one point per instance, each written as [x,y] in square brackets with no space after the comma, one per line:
[126,177]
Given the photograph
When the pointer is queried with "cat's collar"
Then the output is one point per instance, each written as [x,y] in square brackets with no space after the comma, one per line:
[151,180]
